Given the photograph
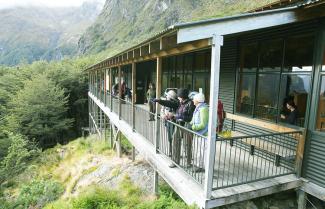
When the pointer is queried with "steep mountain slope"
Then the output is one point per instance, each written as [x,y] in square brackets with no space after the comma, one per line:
[124,22]
[34,33]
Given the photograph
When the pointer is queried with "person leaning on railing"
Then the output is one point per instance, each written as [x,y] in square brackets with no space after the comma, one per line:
[168,114]
[199,124]
[184,112]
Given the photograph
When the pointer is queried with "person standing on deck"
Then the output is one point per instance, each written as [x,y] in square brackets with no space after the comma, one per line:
[199,124]
[168,114]
[184,112]
[151,95]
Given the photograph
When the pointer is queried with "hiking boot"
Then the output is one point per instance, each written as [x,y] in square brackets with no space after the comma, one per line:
[198,169]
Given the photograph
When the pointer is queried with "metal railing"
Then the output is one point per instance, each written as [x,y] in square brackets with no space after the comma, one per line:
[186,148]
[248,158]
[240,158]
[126,111]
[144,122]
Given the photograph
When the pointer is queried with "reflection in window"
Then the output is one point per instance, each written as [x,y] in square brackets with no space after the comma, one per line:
[248,58]
[267,96]
[246,93]
[299,53]
[320,124]
[271,55]
[294,88]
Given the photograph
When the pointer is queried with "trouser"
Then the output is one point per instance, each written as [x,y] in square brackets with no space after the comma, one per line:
[170,130]
[152,110]
[199,156]
[181,137]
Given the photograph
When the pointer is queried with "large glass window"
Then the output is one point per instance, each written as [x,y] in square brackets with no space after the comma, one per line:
[299,53]
[294,88]
[271,55]
[246,93]
[189,71]
[274,73]
[267,96]
[249,58]
[320,124]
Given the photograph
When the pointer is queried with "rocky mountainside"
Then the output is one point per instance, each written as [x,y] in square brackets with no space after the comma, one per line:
[40,33]
[125,22]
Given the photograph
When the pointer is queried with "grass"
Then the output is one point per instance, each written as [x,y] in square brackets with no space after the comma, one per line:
[64,166]
[127,196]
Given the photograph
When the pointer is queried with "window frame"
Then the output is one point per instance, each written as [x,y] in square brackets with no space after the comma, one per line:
[281,73]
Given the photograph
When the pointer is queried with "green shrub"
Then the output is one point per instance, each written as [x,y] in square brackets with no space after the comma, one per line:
[38,193]
[98,198]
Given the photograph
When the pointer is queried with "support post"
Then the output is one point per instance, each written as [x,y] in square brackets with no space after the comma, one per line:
[158,90]
[133,153]
[217,42]
[155,183]
[101,123]
[112,136]
[111,80]
[118,145]
[134,90]
[302,203]
[119,92]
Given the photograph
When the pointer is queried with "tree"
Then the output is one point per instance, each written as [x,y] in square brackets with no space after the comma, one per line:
[19,152]
[39,110]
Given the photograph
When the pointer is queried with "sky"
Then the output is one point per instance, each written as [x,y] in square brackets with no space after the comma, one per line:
[48,3]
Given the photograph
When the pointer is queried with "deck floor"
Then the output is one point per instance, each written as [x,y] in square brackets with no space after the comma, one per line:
[236,165]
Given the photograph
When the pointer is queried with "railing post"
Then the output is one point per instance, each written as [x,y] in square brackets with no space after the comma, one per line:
[111,88]
[158,90]
[300,152]
[134,86]
[217,42]
[119,92]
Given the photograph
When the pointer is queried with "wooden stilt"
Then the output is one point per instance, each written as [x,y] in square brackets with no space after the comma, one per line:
[155,183]
[302,203]
[133,153]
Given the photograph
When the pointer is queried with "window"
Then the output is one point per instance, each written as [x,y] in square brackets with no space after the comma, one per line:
[273,72]
[320,124]
[299,53]
[294,88]
[246,93]
[267,96]
[249,58]
[271,55]
[189,71]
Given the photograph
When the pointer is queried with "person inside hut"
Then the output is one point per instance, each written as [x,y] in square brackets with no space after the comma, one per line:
[151,95]
[292,115]
[199,124]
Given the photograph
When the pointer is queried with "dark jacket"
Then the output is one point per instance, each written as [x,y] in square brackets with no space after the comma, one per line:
[184,110]
[293,117]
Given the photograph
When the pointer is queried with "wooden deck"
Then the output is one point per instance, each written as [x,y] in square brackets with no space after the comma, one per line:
[227,171]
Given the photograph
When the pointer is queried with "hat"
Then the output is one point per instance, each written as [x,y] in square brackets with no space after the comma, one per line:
[183,93]
[199,97]
[171,94]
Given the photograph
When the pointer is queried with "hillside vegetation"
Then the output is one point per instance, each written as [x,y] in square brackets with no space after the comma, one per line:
[55,179]
[122,24]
